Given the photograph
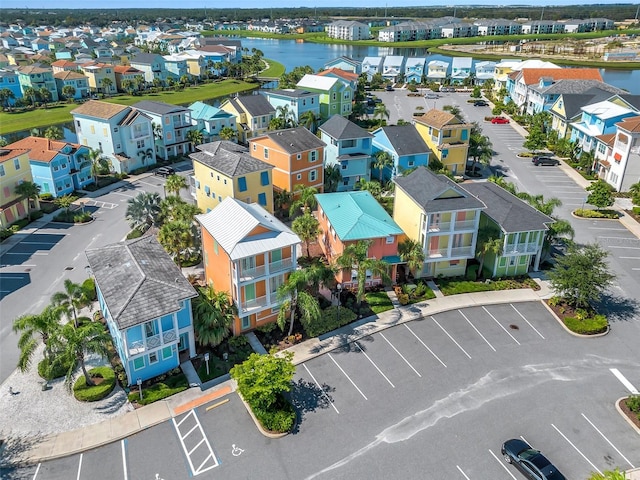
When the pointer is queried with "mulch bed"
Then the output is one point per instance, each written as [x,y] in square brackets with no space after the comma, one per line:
[633,416]
[562,310]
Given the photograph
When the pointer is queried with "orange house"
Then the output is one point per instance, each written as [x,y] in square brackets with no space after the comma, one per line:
[248,253]
[296,154]
[348,217]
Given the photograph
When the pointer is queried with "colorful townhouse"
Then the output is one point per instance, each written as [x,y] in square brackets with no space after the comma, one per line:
[437,71]
[345,63]
[152,65]
[441,216]
[247,253]
[484,71]
[544,95]
[371,66]
[176,66]
[350,77]
[296,101]
[36,77]
[14,169]
[414,69]
[567,109]
[522,230]
[621,168]
[210,120]
[58,167]
[171,124]
[100,76]
[405,146]
[253,114]
[9,80]
[296,154]
[461,69]
[127,72]
[146,302]
[123,134]
[393,67]
[76,80]
[336,95]
[224,169]
[447,137]
[350,147]
[346,218]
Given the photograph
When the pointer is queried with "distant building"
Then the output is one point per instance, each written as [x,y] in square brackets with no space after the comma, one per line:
[348,30]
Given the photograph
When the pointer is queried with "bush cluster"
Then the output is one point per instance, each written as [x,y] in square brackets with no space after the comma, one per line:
[633,402]
[56,367]
[329,321]
[587,325]
[279,418]
[170,385]
[588,213]
[86,393]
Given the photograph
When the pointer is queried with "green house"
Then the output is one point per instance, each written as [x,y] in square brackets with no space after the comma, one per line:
[522,230]
[336,95]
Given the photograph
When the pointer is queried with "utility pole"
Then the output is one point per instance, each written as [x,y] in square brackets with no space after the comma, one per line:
[542,14]
[638,10]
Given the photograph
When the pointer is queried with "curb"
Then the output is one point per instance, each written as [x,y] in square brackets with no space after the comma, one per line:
[566,329]
[257,422]
[633,425]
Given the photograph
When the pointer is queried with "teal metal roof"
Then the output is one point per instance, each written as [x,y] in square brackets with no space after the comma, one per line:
[392,259]
[357,215]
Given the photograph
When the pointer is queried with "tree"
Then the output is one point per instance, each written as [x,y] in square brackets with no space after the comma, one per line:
[286,114]
[128,86]
[600,196]
[282,202]
[501,182]
[228,133]
[412,253]
[452,109]
[195,137]
[98,163]
[371,186]
[106,85]
[381,111]
[213,315]
[305,201]
[45,325]
[32,94]
[480,147]
[69,91]
[53,133]
[582,275]
[45,95]
[72,300]
[262,379]
[635,193]
[309,120]
[559,230]
[608,475]
[382,160]
[30,191]
[332,178]
[174,184]
[295,300]
[355,256]
[6,96]
[536,139]
[276,123]
[143,210]
[65,202]
[488,241]
[307,228]
[175,237]
[76,342]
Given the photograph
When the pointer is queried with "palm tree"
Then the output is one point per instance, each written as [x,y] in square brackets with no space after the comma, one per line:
[452,109]
[371,186]
[559,231]
[98,163]
[174,184]
[69,91]
[45,95]
[309,120]
[76,342]
[65,202]
[175,237]
[213,315]
[305,201]
[281,201]
[32,94]
[174,208]
[195,137]
[382,160]
[296,300]
[355,256]
[45,325]
[30,191]
[128,85]
[381,111]
[635,193]
[143,210]
[489,241]
[286,115]
[6,96]
[501,182]
[228,133]
[480,148]
[53,133]
[276,123]
[106,85]
[412,253]
[332,178]
[319,272]
[72,300]
[307,228]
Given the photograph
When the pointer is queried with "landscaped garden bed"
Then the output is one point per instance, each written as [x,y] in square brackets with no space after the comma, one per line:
[159,388]
[104,380]
[590,213]
[410,293]
[458,285]
[222,358]
[579,320]
[630,406]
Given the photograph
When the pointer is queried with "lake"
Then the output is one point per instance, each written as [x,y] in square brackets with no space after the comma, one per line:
[293,53]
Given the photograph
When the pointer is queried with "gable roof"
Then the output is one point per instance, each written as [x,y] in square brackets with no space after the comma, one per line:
[507,210]
[138,280]
[344,74]
[42,149]
[228,158]
[606,109]
[290,92]
[438,118]
[567,85]
[232,221]
[317,82]
[200,110]
[573,102]
[159,108]
[533,75]
[254,105]
[98,109]
[293,140]
[357,215]
[631,124]
[341,128]
[145,58]
[404,139]
[436,193]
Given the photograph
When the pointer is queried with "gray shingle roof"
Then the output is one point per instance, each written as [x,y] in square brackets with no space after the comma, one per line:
[254,105]
[138,280]
[575,86]
[436,193]
[405,140]
[159,108]
[228,158]
[291,92]
[295,140]
[145,58]
[507,210]
[341,128]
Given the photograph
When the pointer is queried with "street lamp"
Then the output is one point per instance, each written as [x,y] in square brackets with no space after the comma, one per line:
[206,359]
[339,287]
[139,383]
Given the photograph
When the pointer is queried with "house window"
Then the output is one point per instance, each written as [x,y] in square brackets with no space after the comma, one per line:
[348,143]
[153,358]
[264,178]
[140,144]
[299,176]
[169,136]
[313,175]
[2,171]
[334,96]
[242,184]
[16,163]
[150,329]
[167,352]
[446,133]
[262,199]
[138,363]
[266,153]
[298,156]
[390,239]
[345,164]
[313,156]
[255,147]
[245,322]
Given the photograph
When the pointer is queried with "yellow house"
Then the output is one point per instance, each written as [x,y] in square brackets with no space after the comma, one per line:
[225,169]
[14,169]
[441,216]
[447,136]
[96,74]
[254,112]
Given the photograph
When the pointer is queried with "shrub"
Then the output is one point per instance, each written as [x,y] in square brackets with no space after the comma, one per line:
[633,402]
[588,213]
[403,298]
[329,321]
[266,328]
[135,233]
[636,210]
[46,196]
[587,326]
[238,342]
[56,367]
[5,233]
[86,393]
[280,417]
[89,287]
[170,386]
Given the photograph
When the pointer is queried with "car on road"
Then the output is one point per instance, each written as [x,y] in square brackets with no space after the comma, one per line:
[164,171]
[540,160]
[447,89]
[500,120]
[432,96]
[389,88]
[533,464]
[480,103]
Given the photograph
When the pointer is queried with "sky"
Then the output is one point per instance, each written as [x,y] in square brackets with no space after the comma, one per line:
[201,4]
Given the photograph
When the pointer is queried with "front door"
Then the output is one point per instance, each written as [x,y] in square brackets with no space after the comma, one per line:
[184,342]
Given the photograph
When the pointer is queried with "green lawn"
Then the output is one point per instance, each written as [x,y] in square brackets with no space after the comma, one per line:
[275,69]
[61,113]
[172,385]
[378,301]
[455,286]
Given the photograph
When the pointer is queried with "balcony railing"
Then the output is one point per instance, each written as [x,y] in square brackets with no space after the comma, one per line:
[440,227]
[465,225]
[520,248]
[259,302]
[437,253]
[261,271]
[250,273]
[278,266]
[462,251]
[153,342]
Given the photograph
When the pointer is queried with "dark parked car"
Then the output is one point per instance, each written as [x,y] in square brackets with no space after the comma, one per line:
[164,171]
[389,88]
[480,103]
[529,461]
[539,160]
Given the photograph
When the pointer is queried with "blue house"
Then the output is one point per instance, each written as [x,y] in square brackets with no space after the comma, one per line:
[345,63]
[146,302]
[414,69]
[298,101]
[58,167]
[210,120]
[406,147]
[9,80]
[460,69]
[349,146]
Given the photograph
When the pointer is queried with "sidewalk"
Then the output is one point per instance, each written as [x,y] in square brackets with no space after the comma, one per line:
[43,448]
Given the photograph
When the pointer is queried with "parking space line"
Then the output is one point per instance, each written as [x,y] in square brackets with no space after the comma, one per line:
[79,467]
[124,458]
[205,440]
[576,449]
[523,317]
[610,246]
[348,377]
[630,258]
[36,472]
[452,339]
[401,356]
[624,381]
[502,465]
[501,326]
[463,474]
[373,363]
[321,389]
[477,331]
[607,228]
[607,440]
[425,345]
